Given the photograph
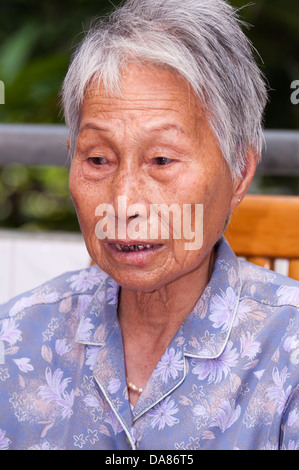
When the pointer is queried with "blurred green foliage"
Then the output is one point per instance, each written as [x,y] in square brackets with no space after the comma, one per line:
[37,39]
[36,198]
[275,35]
[36,42]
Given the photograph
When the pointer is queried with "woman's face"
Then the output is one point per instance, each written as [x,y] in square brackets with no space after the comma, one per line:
[151,145]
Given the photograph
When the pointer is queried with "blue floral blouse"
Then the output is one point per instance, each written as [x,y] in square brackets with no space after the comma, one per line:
[228,379]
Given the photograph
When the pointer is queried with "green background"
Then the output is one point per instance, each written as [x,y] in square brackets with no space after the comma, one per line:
[36,41]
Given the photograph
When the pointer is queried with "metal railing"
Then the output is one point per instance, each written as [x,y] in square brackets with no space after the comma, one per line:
[40,144]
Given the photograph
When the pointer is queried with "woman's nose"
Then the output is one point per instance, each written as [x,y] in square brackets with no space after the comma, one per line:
[128,190]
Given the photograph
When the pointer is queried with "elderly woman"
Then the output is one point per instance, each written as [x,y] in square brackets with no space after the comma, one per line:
[162,343]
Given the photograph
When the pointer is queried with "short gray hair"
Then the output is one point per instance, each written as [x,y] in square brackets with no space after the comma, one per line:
[202,40]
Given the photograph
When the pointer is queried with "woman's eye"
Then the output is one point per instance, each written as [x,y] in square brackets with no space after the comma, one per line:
[98,160]
[162,161]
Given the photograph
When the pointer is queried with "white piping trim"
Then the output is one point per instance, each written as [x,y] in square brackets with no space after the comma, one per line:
[163,396]
[89,343]
[117,415]
[215,356]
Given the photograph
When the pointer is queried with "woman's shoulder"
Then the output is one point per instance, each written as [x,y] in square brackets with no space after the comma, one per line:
[268,287]
[75,283]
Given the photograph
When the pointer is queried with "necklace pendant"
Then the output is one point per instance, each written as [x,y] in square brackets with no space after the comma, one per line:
[134,387]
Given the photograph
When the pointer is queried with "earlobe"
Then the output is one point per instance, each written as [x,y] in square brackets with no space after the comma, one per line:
[242,184]
[68,143]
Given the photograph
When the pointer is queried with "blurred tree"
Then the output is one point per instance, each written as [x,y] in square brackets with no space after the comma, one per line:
[36,198]
[37,39]
[275,35]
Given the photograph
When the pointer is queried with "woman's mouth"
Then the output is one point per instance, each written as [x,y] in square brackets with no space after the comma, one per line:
[131,248]
[133,253]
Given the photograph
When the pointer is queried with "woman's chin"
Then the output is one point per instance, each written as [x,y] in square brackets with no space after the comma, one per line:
[139,282]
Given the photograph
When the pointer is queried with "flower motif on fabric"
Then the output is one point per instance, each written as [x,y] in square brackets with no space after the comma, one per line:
[92,353]
[216,369]
[79,441]
[112,292]
[53,325]
[114,385]
[292,445]
[83,302]
[291,345]
[96,406]
[223,309]
[113,421]
[169,365]
[277,393]
[10,332]
[24,364]
[61,347]
[44,446]
[197,392]
[55,392]
[162,414]
[40,297]
[293,417]
[84,329]
[226,416]
[249,347]
[288,295]
[4,441]
[86,279]
[4,374]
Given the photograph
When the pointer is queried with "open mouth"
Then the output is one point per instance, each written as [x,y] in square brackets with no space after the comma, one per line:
[133,248]
[137,254]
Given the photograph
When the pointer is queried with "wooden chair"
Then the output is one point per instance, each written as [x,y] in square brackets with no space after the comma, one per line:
[265,228]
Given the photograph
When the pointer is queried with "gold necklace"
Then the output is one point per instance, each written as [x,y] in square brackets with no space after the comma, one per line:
[134,387]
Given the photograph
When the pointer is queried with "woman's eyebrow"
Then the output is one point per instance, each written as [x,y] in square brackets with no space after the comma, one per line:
[159,128]
[167,127]
[96,127]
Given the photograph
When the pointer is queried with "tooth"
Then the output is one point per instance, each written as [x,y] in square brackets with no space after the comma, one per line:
[131,248]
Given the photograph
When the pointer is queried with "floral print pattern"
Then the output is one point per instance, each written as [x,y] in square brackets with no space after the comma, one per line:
[227,380]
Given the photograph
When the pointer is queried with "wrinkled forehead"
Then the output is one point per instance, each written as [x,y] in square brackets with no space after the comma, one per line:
[149,92]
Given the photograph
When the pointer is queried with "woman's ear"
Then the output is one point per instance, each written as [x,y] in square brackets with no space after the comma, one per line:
[242,183]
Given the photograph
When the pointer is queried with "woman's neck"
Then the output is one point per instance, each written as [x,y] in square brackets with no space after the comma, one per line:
[162,311]
[149,320]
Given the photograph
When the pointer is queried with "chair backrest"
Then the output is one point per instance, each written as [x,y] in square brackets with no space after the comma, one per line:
[264,228]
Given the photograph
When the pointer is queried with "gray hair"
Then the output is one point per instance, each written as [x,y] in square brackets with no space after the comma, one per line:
[202,40]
